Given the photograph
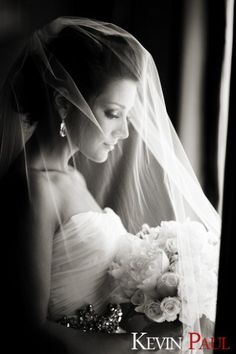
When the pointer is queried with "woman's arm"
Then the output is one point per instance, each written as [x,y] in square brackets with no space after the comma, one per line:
[34,254]
[35,234]
[18,20]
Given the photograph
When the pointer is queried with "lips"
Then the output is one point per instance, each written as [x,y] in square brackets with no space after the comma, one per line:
[111,143]
[110,146]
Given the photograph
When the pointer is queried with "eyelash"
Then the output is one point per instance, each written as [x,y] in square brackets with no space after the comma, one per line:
[115,116]
[111,115]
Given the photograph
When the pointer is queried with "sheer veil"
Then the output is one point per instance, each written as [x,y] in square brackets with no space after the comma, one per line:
[148,177]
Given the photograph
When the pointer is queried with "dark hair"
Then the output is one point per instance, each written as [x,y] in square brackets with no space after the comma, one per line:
[90,63]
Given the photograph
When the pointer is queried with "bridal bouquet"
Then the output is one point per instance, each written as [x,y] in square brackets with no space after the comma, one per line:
[168,272]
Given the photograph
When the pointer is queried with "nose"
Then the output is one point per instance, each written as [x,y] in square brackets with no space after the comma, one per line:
[123,129]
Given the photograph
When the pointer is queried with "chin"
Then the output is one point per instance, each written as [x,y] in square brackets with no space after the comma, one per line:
[102,159]
[96,155]
[99,158]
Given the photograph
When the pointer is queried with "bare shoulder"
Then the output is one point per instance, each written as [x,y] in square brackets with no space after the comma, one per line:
[58,194]
[61,194]
[45,199]
[41,186]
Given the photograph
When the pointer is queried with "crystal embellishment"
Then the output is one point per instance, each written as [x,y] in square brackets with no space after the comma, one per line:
[88,320]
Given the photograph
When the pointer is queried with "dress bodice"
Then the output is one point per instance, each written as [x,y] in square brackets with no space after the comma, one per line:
[83,249]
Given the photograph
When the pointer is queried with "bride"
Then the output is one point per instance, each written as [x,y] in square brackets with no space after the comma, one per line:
[88,154]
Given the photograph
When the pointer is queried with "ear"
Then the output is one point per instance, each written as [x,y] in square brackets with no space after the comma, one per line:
[61,103]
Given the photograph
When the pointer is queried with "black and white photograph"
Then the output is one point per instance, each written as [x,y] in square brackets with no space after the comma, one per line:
[117,176]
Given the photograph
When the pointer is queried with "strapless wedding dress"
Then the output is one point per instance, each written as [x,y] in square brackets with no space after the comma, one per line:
[82,252]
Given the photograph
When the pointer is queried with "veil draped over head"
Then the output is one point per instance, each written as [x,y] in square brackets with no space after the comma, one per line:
[147,178]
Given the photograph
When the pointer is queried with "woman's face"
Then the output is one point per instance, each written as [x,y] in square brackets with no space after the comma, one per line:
[110,108]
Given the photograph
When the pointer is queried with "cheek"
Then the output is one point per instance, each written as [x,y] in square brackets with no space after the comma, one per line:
[91,137]
[108,125]
[86,136]
[92,145]
[105,123]
[90,140]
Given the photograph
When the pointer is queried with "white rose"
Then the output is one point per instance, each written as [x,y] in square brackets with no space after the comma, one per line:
[156,268]
[167,285]
[139,268]
[174,267]
[171,245]
[139,262]
[174,258]
[128,283]
[152,250]
[142,268]
[170,306]
[153,311]
[138,297]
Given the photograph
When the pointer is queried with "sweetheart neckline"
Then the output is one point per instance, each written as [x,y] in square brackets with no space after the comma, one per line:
[103,212]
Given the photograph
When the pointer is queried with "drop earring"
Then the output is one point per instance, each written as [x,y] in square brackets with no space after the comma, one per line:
[62,131]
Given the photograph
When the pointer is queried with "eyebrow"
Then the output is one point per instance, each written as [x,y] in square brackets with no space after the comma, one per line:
[117,104]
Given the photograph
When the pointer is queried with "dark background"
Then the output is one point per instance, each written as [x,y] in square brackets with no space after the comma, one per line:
[159,26]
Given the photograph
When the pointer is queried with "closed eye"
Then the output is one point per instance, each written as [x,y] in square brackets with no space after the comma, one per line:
[112,114]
